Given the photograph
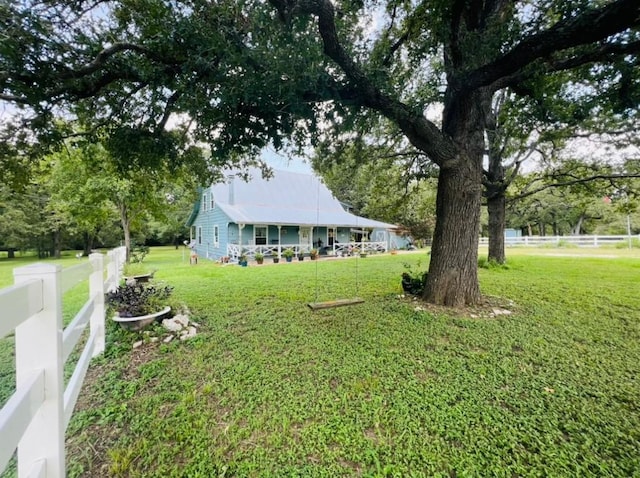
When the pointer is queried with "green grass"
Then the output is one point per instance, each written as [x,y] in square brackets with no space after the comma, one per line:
[386,388]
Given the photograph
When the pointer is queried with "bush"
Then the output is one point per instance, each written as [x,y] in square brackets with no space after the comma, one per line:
[413,281]
[138,253]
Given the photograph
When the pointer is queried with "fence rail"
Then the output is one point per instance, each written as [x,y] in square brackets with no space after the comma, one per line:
[35,417]
[580,241]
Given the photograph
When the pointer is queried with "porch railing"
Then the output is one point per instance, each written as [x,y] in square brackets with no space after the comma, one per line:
[234,251]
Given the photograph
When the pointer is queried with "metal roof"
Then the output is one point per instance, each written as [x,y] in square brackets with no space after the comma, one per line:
[286,198]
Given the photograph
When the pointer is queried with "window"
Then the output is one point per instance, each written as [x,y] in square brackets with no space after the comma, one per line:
[204,202]
[213,202]
[260,235]
[216,236]
[199,234]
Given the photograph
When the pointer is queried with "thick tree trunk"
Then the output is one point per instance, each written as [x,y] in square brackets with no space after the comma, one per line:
[88,243]
[496,210]
[56,241]
[453,270]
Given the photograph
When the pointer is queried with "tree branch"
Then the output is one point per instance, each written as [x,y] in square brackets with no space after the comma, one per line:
[422,133]
[102,57]
[572,183]
[591,26]
[606,52]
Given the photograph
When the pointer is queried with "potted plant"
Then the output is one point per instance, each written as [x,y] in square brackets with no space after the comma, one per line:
[242,260]
[259,257]
[288,254]
[276,259]
[313,254]
[138,304]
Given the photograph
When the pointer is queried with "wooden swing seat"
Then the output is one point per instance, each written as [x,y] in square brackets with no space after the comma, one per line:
[334,303]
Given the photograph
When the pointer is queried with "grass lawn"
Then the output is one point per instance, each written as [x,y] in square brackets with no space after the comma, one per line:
[387,388]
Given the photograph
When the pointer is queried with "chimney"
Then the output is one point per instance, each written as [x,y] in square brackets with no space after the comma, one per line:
[231,189]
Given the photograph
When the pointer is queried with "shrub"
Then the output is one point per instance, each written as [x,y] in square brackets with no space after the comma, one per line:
[138,253]
[413,281]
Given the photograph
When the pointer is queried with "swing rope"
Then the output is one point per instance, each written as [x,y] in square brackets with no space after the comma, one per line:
[318,229]
[338,302]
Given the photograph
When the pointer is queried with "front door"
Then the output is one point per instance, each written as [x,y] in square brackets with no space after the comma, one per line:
[260,235]
[305,237]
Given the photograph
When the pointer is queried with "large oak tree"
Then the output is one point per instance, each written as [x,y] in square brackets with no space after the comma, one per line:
[252,73]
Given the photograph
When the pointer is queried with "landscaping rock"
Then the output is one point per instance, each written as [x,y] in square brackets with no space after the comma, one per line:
[181,325]
[173,325]
[497,312]
[187,334]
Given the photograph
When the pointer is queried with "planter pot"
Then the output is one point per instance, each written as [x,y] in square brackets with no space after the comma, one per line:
[260,261]
[138,323]
[288,259]
[276,260]
[301,258]
[243,263]
[313,258]
[363,255]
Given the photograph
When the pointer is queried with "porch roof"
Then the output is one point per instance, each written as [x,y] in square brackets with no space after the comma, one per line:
[250,214]
[286,198]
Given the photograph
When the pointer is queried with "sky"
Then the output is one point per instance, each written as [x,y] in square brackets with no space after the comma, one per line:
[286,163]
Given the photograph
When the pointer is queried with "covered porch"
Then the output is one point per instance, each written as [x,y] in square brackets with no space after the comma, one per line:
[273,240]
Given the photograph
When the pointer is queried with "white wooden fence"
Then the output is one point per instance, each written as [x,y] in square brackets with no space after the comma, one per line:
[580,241]
[35,417]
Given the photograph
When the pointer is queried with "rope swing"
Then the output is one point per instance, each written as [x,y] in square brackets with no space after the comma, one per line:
[337,302]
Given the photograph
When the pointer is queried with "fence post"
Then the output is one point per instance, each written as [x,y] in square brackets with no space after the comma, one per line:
[122,258]
[38,344]
[96,293]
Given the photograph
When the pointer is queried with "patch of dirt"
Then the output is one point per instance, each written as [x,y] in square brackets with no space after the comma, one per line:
[489,307]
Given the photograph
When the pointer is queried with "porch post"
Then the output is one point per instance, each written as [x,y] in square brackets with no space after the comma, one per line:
[240,228]
[311,237]
[279,242]
[335,238]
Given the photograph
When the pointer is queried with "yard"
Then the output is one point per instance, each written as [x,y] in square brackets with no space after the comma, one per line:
[390,387]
